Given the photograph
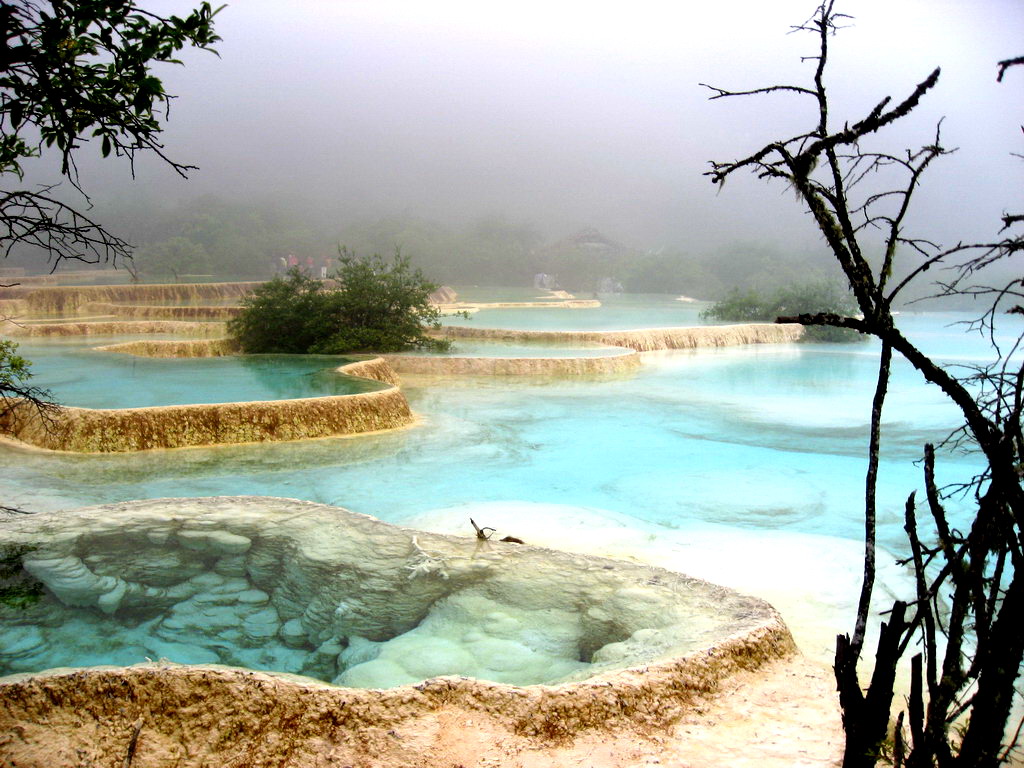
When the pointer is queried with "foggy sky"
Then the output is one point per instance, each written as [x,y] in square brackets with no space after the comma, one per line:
[572,114]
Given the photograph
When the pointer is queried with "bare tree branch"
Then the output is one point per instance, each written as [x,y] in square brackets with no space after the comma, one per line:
[721,93]
[970,626]
[39,220]
[1005,64]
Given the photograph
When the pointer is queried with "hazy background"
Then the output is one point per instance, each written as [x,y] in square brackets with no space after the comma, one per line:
[477,127]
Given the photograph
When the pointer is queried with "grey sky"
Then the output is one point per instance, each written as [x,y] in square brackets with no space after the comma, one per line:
[578,113]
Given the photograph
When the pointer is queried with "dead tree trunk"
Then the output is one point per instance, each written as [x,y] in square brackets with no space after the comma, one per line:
[970,586]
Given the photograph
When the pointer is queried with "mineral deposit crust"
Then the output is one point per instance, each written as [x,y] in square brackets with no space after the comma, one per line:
[334,590]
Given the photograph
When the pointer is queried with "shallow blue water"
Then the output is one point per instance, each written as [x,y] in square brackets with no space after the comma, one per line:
[505,293]
[481,348]
[764,440]
[766,436]
[78,375]
[621,312]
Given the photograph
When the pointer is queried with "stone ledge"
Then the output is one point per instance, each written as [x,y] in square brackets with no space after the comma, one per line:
[87,430]
[301,557]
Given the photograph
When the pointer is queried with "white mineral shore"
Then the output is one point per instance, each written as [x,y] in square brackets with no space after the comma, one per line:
[676,662]
[782,715]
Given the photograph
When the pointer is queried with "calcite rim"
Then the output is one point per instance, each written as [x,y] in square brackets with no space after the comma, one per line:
[120,430]
[655,695]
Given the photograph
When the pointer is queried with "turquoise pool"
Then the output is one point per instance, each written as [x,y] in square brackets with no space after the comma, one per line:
[765,436]
[79,375]
[729,458]
[621,312]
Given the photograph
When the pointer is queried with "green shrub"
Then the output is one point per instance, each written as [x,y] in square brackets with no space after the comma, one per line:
[372,306]
[740,306]
[279,316]
[811,298]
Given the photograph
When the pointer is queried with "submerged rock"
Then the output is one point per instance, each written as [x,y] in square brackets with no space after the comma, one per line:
[21,641]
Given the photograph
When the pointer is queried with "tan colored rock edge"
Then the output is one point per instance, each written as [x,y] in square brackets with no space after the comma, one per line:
[647,339]
[196,716]
[444,294]
[153,312]
[170,348]
[376,368]
[82,275]
[112,328]
[13,307]
[312,561]
[86,430]
[625,362]
[64,299]
[552,304]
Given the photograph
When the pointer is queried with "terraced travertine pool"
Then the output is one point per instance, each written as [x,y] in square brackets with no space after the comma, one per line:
[80,375]
[741,465]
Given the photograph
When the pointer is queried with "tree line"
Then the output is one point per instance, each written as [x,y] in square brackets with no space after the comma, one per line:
[211,237]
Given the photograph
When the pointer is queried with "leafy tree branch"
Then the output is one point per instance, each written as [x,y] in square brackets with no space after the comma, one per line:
[74,72]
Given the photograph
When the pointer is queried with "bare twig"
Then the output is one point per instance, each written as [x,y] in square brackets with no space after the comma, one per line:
[133,743]
[481,533]
[1005,64]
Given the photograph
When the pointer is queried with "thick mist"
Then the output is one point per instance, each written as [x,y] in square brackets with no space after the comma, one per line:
[557,117]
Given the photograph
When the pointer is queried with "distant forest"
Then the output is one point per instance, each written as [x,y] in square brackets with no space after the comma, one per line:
[209,238]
